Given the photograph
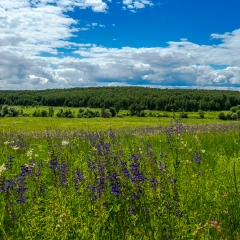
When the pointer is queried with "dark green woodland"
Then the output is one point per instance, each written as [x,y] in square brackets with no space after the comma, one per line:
[133,98]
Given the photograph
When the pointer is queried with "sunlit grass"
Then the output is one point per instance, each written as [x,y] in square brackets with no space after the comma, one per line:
[176,184]
[95,124]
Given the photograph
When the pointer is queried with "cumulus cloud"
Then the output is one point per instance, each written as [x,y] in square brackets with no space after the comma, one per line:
[133,5]
[33,33]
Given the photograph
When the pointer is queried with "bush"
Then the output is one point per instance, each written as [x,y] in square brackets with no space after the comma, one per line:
[105,113]
[44,113]
[234,116]
[87,113]
[201,113]
[234,109]
[9,112]
[222,116]
[183,115]
[112,111]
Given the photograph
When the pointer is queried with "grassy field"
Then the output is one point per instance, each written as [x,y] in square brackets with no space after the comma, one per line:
[96,124]
[95,183]
[40,123]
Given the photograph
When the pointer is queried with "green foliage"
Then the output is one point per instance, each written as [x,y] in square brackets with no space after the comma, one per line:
[234,109]
[105,113]
[9,111]
[133,99]
[222,116]
[65,113]
[137,110]
[234,116]
[40,113]
[88,113]
[183,115]
[112,111]
[201,113]
[51,112]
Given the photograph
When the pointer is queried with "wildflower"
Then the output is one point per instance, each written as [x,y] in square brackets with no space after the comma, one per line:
[65,143]
[78,178]
[161,167]
[137,176]
[63,171]
[111,134]
[114,189]
[15,147]
[224,195]
[197,158]
[22,185]
[216,225]
[30,152]
[178,214]
[40,165]
[9,164]
[173,181]
[2,169]
[134,196]
[42,188]
[6,185]
[54,165]
[125,169]
[131,210]
[154,183]
[135,157]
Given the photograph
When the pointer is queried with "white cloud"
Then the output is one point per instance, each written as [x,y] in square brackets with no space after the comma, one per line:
[136,4]
[32,31]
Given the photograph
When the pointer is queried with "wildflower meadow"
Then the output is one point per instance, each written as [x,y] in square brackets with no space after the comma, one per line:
[178,183]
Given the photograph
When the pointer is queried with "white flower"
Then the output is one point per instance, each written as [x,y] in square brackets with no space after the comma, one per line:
[2,169]
[30,152]
[64,143]
[15,147]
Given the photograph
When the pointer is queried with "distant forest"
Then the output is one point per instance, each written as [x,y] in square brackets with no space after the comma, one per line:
[135,98]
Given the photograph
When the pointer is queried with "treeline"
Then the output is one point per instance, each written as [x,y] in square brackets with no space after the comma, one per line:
[135,99]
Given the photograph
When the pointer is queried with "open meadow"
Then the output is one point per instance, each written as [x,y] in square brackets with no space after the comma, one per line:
[119,178]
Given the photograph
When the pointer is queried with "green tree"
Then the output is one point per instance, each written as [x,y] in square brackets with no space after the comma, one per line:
[51,112]
[201,113]
[112,111]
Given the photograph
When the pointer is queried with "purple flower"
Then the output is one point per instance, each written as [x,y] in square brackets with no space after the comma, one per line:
[9,164]
[135,157]
[154,183]
[197,158]
[54,165]
[22,186]
[79,175]
[112,134]
[137,175]
[134,196]
[161,167]
[125,169]
[63,173]
[131,210]
[115,184]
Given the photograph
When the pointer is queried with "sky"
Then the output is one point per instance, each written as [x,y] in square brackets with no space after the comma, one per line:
[185,44]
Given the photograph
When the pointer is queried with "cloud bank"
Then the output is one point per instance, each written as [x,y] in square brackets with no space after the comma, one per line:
[34,35]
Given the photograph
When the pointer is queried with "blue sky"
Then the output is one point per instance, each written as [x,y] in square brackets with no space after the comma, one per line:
[79,43]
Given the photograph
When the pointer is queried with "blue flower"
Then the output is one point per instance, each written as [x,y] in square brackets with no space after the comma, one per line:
[197,158]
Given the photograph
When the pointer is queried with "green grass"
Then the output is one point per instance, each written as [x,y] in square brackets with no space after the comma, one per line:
[90,185]
[95,124]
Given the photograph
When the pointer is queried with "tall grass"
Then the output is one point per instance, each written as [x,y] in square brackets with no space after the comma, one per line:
[179,184]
